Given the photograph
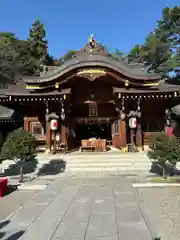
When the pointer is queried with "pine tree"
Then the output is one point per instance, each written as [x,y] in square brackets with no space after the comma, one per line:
[38,45]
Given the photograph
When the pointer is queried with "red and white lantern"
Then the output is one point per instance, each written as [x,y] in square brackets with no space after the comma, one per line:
[133,122]
[54,124]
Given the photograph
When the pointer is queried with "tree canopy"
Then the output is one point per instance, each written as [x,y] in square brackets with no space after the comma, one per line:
[160,51]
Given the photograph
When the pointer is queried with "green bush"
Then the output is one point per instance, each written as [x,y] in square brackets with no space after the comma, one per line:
[164,151]
[20,146]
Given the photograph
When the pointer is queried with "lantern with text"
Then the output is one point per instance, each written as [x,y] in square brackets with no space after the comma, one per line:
[132,122]
[53,124]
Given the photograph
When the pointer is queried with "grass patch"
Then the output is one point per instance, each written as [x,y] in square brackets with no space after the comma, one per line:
[174,179]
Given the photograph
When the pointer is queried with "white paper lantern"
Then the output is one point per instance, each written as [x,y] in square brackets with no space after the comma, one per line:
[132,122]
[53,124]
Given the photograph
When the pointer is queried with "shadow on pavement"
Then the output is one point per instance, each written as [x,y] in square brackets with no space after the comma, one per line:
[3,234]
[157,169]
[54,167]
[4,223]
[10,189]
[15,236]
[14,169]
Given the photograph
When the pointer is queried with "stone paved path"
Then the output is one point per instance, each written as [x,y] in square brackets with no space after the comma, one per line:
[78,209]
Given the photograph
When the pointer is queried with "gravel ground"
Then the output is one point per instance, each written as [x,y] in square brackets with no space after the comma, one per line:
[162,205]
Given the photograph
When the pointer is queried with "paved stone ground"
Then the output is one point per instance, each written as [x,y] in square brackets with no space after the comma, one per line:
[81,208]
[163,206]
[16,199]
[10,203]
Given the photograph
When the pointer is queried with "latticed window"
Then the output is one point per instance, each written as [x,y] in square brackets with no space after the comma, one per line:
[37,128]
[93,110]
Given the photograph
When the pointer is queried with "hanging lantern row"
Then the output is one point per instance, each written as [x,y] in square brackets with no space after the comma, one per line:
[11,121]
[151,96]
[32,99]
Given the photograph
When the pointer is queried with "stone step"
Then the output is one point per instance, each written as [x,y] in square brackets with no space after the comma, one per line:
[99,164]
[110,160]
[102,157]
[99,160]
[106,169]
[127,155]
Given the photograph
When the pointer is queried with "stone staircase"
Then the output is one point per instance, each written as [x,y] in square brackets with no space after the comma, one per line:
[107,162]
[83,162]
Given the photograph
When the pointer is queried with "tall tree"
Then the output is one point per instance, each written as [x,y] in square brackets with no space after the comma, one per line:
[38,45]
[52,61]
[157,54]
[25,59]
[168,30]
[117,55]
[8,59]
[15,59]
[7,35]
[136,54]
[160,51]
[154,54]
[69,55]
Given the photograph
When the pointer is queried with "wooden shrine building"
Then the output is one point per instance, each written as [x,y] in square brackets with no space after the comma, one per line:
[97,96]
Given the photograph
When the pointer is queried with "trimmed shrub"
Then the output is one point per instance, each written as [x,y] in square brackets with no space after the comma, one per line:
[20,146]
[165,152]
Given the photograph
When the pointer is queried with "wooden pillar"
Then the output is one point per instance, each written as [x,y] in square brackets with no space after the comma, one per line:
[48,136]
[63,133]
[139,128]
[26,123]
[116,138]
[139,136]
[122,127]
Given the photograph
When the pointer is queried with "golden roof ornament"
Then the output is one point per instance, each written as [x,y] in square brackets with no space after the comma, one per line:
[91,38]
[92,47]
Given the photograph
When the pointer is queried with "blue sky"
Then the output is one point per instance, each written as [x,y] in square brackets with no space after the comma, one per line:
[115,23]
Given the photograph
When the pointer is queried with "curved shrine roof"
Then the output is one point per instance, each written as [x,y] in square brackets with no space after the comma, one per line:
[94,55]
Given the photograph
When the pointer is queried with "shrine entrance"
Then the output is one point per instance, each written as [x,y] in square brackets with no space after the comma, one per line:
[88,131]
